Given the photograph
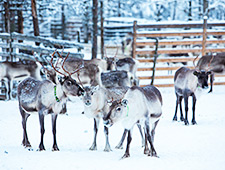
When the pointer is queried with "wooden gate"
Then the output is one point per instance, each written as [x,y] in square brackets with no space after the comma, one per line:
[157,50]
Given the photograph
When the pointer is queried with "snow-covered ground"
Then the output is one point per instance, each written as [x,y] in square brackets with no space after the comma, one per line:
[193,147]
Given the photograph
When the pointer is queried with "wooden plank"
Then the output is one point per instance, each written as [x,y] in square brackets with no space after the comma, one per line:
[181,33]
[165,77]
[181,25]
[179,51]
[168,51]
[172,85]
[180,42]
[161,68]
[159,85]
[156,77]
[177,59]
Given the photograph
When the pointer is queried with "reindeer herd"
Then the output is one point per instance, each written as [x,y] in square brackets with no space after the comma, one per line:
[109,90]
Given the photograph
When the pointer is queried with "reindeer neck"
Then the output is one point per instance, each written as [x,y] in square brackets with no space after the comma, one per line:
[58,92]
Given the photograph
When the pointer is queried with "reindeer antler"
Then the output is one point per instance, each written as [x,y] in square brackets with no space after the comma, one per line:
[63,63]
[210,61]
[53,64]
[195,60]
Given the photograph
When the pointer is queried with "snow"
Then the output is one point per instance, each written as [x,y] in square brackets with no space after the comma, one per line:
[183,147]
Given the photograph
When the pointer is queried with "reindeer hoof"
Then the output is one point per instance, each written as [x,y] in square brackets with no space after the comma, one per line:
[55,148]
[186,122]
[147,152]
[93,148]
[193,122]
[153,154]
[107,150]
[182,119]
[41,148]
[174,118]
[126,155]
[119,147]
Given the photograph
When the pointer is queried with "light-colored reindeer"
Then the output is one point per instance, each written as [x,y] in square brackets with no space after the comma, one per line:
[20,70]
[96,105]
[142,105]
[188,82]
[45,97]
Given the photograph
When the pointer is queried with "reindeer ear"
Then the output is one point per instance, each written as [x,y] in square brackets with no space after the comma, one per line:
[196,73]
[124,102]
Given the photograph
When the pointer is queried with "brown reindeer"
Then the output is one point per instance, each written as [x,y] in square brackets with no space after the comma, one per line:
[213,63]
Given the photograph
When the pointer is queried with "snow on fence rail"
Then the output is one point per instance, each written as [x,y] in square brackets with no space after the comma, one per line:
[11,42]
[154,44]
[16,46]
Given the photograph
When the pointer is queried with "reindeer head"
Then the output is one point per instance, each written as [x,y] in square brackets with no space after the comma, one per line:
[69,85]
[89,93]
[118,110]
[202,75]
[202,78]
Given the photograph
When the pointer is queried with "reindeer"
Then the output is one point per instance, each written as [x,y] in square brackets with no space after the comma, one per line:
[213,63]
[96,106]
[139,104]
[188,82]
[130,65]
[45,97]
[116,79]
[18,70]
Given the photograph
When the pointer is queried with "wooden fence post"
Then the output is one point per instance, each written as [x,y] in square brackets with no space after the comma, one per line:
[134,39]
[204,36]
[102,29]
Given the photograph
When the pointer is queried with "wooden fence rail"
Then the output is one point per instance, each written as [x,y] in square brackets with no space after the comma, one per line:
[194,39]
[12,49]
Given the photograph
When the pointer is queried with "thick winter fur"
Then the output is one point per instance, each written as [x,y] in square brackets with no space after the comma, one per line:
[213,63]
[130,65]
[96,106]
[18,70]
[116,79]
[187,83]
[143,105]
[41,96]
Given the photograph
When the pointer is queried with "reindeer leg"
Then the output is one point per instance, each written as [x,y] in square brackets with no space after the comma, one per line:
[55,146]
[153,130]
[41,120]
[25,116]
[127,152]
[107,145]
[211,82]
[193,109]
[146,149]
[96,125]
[120,144]
[149,137]
[181,111]
[142,137]
[175,115]
[186,109]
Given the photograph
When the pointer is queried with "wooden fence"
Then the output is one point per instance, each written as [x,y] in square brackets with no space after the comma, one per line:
[149,47]
[12,49]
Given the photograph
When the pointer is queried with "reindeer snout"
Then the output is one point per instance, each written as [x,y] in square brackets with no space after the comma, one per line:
[107,123]
[87,103]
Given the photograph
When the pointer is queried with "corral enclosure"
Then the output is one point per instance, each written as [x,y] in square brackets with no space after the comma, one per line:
[161,48]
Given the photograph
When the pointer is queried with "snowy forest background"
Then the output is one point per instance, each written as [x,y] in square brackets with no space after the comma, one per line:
[60,14]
